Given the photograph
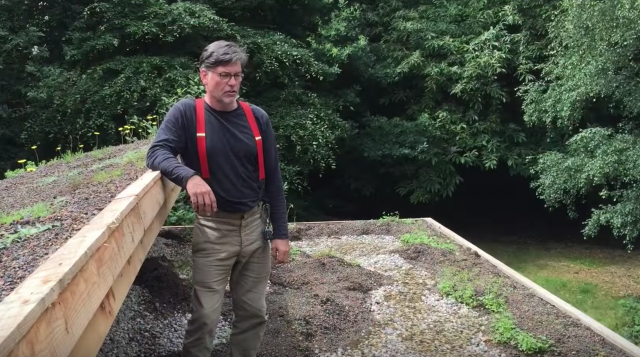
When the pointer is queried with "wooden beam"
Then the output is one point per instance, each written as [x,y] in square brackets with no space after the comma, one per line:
[565,307]
[47,313]
[302,223]
[91,340]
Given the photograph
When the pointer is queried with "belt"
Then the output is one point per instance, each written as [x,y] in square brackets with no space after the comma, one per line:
[236,215]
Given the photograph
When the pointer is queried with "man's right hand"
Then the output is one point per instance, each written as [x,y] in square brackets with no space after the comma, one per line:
[202,198]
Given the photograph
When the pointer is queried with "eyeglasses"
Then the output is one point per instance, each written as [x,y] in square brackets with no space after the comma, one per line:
[227,76]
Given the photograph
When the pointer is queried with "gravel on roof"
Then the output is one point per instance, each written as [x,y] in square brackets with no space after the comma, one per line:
[355,289]
[351,289]
[41,210]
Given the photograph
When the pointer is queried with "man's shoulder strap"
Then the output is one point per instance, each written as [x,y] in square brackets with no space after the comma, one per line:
[256,134]
[201,137]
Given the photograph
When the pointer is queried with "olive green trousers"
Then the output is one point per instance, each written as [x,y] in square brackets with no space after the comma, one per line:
[228,248]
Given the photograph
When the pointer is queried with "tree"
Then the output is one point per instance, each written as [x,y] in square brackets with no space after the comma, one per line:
[588,97]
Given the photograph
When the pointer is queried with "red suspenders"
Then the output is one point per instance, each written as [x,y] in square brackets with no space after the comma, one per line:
[201,138]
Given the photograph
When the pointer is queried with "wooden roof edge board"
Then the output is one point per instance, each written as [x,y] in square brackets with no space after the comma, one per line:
[330,222]
[57,330]
[303,222]
[309,222]
[42,287]
[609,335]
[39,290]
[140,186]
[93,336]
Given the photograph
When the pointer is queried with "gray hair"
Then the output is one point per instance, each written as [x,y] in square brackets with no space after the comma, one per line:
[221,53]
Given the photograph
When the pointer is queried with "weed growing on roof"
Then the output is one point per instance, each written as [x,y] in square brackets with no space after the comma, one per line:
[461,286]
[22,232]
[330,253]
[48,180]
[138,157]
[107,175]
[394,218]
[136,129]
[183,267]
[36,211]
[421,237]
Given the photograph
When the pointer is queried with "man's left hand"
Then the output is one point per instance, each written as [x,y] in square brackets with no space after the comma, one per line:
[280,250]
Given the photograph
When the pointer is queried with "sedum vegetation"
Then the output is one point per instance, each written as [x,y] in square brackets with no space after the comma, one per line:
[386,97]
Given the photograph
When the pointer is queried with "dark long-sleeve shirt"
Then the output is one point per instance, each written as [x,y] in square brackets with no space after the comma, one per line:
[232,156]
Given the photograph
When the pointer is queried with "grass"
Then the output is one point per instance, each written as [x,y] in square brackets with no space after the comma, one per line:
[420,237]
[36,211]
[6,239]
[140,130]
[462,287]
[137,157]
[395,218]
[597,281]
[107,175]
[48,180]
[102,152]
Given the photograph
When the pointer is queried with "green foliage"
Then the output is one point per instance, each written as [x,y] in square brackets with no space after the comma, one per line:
[458,286]
[436,89]
[588,98]
[421,237]
[181,213]
[394,97]
[394,218]
[38,210]
[108,64]
[130,86]
[107,175]
[600,159]
[462,287]
[294,253]
[506,331]
[631,307]
[6,239]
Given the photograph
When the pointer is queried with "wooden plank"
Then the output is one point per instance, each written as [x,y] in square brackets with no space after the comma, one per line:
[62,322]
[152,202]
[96,331]
[30,299]
[302,223]
[73,273]
[565,307]
[59,327]
[141,185]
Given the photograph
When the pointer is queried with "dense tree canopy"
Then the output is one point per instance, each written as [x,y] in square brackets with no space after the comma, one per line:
[391,97]
[588,99]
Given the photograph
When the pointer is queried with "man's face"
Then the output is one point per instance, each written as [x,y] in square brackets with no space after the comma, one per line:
[221,84]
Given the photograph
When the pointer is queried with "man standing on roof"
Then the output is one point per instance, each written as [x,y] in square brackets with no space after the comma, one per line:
[230,169]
